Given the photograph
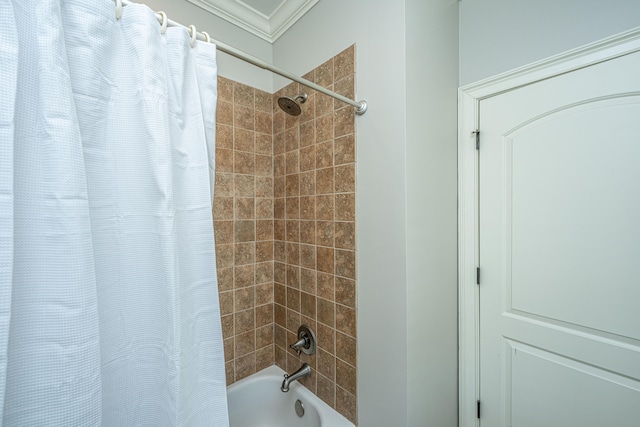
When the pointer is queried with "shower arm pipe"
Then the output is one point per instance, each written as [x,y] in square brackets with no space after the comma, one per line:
[360,106]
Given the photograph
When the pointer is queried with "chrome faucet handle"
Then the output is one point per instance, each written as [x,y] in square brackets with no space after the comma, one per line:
[300,344]
[306,341]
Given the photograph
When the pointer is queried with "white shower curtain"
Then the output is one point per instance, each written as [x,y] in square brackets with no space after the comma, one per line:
[108,294]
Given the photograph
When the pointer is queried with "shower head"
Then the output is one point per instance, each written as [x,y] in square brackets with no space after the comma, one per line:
[290,105]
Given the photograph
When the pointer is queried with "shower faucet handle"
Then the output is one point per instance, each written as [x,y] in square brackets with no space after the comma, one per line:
[306,341]
[298,345]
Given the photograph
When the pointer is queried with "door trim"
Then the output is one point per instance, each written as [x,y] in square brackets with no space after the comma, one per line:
[469,98]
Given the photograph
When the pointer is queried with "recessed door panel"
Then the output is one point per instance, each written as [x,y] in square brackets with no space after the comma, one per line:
[554,391]
[574,181]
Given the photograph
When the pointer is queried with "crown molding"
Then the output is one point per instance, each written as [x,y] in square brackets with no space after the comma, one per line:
[268,28]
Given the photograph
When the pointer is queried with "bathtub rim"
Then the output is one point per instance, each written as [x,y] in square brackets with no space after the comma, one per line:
[328,415]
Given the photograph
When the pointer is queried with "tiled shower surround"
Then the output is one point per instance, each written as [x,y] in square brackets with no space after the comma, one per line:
[284,217]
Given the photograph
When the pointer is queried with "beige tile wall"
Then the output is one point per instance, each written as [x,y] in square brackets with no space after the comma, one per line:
[243,224]
[284,217]
[314,233]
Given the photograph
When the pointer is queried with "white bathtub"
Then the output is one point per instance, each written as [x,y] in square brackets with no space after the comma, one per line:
[256,401]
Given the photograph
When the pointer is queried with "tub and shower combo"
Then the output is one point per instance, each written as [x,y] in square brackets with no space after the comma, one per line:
[257,401]
[273,398]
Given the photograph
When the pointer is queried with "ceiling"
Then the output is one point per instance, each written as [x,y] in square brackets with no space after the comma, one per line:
[267,19]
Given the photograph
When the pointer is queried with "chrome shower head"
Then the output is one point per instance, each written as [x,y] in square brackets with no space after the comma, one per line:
[290,105]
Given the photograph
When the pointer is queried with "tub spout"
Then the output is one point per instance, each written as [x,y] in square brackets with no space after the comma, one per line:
[303,372]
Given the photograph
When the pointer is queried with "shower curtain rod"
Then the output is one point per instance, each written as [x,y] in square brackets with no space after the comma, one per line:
[360,106]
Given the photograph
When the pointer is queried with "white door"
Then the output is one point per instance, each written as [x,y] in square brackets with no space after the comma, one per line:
[559,250]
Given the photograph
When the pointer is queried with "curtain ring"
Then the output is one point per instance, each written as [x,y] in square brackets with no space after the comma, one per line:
[207,38]
[164,22]
[194,35]
[118,9]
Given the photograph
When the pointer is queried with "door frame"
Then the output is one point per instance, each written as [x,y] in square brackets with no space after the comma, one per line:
[469,98]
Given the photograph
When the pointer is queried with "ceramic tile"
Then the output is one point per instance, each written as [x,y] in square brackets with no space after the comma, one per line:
[225,89]
[243,140]
[345,178]
[243,276]
[264,293]
[324,154]
[307,158]
[326,364]
[224,113]
[264,210]
[292,226]
[224,136]
[264,144]
[244,321]
[345,235]
[224,160]
[264,315]
[264,165]
[244,231]
[223,232]
[344,63]
[244,163]
[245,208]
[264,357]
[346,348]
[293,299]
[308,232]
[345,87]
[264,249]
[324,233]
[263,101]
[343,120]
[264,186]
[308,280]
[265,227]
[345,263]
[245,186]
[326,312]
[264,336]
[324,74]
[346,404]
[223,208]
[324,128]
[325,182]
[326,285]
[243,95]
[345,207]
[326,390]
[245,366]
[225,279]
[345,291]
[243,298]
[346,320]
[223,185]
[264,123]
[284,213]
[325,259]
[308,305]
[243,117]
[346,376]
[307,185]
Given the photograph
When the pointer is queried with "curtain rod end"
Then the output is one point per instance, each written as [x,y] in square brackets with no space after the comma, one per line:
[362,108]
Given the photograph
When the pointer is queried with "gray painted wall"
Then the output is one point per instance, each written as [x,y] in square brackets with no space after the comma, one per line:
[499,35]
[432,287]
